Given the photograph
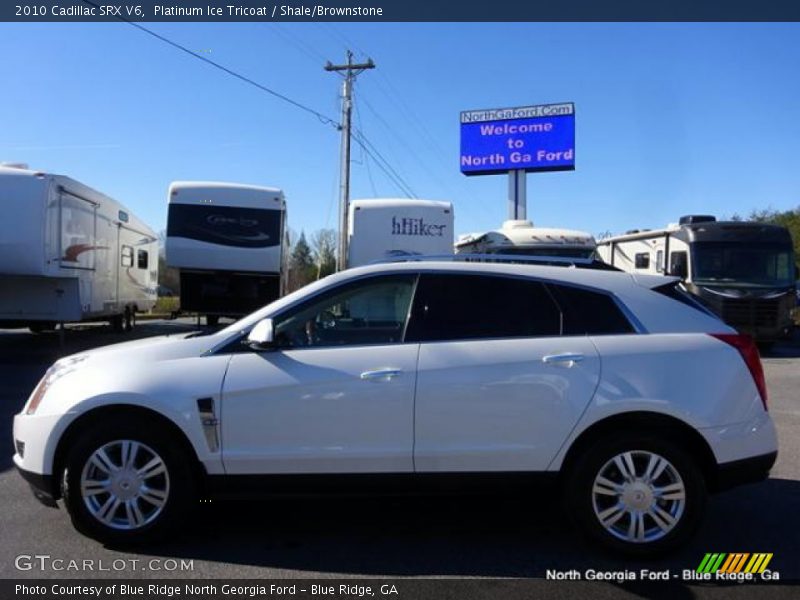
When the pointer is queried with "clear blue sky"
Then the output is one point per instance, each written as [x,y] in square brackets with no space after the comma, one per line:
[671,118]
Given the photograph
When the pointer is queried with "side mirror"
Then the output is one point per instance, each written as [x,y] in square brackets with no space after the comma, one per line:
[679,265]
[261,336]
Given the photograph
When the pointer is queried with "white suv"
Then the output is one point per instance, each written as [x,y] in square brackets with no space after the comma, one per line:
[622,389]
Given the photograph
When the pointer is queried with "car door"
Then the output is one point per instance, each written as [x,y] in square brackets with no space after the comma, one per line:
[498,387]
[335,395]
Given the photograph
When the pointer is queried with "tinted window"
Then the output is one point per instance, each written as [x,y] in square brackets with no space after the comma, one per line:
[643,260]
[371,311]
[589,313]
[141,259]
[463,307]
[677,292]
[225,225]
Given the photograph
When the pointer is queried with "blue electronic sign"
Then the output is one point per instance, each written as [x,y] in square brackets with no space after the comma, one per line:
[530,138]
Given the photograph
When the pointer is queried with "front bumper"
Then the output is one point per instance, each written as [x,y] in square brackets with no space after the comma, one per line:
[44,487]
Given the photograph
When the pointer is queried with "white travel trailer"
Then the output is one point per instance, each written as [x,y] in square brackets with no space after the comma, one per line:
[383,228]
[744,271]
[522,238]
[229,242]
[69,253]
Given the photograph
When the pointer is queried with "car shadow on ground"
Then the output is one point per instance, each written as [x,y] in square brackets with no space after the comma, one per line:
[508,535]
[785,348]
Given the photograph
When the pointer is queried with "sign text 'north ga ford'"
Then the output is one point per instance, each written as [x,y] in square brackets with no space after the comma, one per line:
[531,138]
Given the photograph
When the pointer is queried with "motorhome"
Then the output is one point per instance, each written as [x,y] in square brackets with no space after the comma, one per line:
[229,242]
[520,237]
[69,253]
[384,228]
[744,271]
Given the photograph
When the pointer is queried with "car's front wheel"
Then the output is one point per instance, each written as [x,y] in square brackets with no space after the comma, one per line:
[636,494]
[126,482]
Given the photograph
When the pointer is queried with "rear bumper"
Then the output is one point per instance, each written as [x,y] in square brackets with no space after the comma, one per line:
[746,470]
[43,486]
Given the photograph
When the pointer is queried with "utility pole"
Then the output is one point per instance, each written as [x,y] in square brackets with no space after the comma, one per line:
[349,71]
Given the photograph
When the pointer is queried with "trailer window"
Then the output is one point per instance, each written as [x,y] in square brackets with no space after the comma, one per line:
[643,260]
[127,256]
[141,259]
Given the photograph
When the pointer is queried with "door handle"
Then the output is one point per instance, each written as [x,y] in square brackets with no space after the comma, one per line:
[381,374]
[566,359]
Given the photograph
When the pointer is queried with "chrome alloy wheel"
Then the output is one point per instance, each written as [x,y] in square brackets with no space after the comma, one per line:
[638,496]
[124,484]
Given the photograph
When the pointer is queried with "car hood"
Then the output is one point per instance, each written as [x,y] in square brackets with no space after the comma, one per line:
[163,347]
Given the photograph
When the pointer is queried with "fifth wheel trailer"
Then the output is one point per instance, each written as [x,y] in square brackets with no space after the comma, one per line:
[382,228]
[742,270]
[228,241]
[520,237]
[69,253]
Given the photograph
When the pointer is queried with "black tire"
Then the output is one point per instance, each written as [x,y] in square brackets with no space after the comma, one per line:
[154,521]
[212,320]
[586,507]
[41,326]
[130,319]
[117,323]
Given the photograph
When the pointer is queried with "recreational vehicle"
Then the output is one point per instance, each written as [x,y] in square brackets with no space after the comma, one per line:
[385,228]
[69,253]
[228,241]
[744,271]
[520,237]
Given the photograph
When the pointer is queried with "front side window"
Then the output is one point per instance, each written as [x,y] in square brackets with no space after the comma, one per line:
[372,311]
[467,307]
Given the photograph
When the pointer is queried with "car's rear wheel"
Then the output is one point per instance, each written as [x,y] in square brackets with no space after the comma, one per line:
[637,494]
[127,482]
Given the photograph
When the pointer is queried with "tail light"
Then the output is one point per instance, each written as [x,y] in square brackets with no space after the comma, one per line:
[749,352]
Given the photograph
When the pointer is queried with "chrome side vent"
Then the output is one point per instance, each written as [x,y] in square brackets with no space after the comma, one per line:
[209,421]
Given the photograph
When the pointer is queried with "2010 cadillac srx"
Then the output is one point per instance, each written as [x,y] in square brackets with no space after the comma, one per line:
[634,398]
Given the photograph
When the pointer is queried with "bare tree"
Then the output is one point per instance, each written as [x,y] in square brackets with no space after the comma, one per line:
[323,248]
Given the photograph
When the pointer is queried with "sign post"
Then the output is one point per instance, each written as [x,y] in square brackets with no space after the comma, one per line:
[517,195]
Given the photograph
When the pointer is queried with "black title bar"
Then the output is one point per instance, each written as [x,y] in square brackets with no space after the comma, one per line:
[399,10]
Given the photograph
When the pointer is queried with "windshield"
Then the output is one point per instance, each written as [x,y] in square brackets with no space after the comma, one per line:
[743,262]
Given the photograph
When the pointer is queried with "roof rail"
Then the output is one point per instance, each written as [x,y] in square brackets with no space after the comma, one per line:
[558,261]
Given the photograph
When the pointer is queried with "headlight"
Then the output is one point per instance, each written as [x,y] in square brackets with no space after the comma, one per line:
[58,370]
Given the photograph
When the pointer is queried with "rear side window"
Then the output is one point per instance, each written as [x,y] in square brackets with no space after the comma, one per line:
[676,291]
[468,307]
[586,312]
[642,260]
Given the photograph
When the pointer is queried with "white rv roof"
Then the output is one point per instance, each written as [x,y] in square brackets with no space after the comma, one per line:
[392,202]
[221,193]
[80,188]
[205,185]
[519,235]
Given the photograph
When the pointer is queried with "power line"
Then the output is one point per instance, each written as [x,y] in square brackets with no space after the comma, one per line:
[382,163]
[323,118]
[365,156]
